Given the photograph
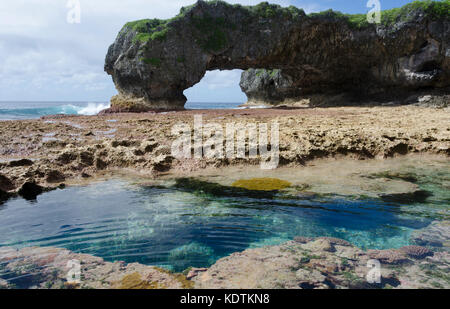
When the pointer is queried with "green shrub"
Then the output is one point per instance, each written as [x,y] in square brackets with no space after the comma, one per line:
[433,9]
[212,32]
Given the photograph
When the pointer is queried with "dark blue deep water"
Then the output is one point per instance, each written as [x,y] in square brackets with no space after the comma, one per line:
[173,228]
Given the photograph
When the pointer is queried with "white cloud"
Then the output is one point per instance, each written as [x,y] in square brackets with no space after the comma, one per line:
[42,56]
[221,79]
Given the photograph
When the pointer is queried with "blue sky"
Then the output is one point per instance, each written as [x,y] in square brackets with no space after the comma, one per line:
[44,58]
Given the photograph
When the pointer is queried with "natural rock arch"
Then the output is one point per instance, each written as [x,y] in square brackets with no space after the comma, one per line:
[153,61]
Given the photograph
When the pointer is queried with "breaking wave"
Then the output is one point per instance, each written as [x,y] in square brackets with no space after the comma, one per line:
[29,112]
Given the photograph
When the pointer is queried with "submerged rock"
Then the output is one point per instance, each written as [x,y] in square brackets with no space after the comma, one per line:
[47,268]
[262,184]
[315,52]
[204,187]
[419,196]
[180,256]
[410,177]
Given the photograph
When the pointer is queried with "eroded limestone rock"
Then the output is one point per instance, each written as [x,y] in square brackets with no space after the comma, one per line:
[153,61]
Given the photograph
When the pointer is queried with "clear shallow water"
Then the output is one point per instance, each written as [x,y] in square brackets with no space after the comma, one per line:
[176,228]
[32,110]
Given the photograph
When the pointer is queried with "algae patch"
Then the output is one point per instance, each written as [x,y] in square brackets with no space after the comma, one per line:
[256,187]
[262,184]
[134,282]
[180,278]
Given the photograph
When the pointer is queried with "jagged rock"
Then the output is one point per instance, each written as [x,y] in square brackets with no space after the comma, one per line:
[22,162]
[67,157]
[87,158]
[302,239]
[416,252]
[389,256]
[268,86]
[30,190]
[85,175]
[153,61]
[310,279]
[125,143]
[321,244]
[3,196]
[291,265]
[162,162]
[149,146]
[54,176]
[193,272]
[336,241]
[100,164]
[436,235]
[162,150]
[6,184]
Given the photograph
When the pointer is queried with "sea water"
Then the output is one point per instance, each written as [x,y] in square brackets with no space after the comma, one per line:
[176,227]
[32,110]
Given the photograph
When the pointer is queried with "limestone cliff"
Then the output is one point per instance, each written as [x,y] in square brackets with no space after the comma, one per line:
[153,61]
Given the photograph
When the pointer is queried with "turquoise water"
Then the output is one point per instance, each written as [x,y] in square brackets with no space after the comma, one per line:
[33,110]
[177,228]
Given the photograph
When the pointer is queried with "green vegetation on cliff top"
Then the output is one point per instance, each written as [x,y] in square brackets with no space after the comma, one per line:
[433,9]
[214,29]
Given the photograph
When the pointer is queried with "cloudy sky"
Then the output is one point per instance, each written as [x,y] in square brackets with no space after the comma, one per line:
[45,58]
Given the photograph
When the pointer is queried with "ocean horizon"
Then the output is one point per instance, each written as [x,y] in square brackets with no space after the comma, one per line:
[19,110]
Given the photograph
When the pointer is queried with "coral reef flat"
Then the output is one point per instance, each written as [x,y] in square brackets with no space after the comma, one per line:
[40,155]
[37,155]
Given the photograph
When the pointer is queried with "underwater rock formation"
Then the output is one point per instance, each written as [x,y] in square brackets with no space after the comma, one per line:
[153,61]
[48,268]
[305,263]
[325,263]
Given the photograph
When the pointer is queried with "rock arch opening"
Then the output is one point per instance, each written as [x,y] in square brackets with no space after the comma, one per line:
[217,89]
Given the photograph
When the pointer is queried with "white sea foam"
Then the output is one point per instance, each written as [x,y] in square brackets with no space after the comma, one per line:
[92,109]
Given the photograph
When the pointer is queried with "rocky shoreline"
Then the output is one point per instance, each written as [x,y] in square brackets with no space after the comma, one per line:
[55,151]
[40,155]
